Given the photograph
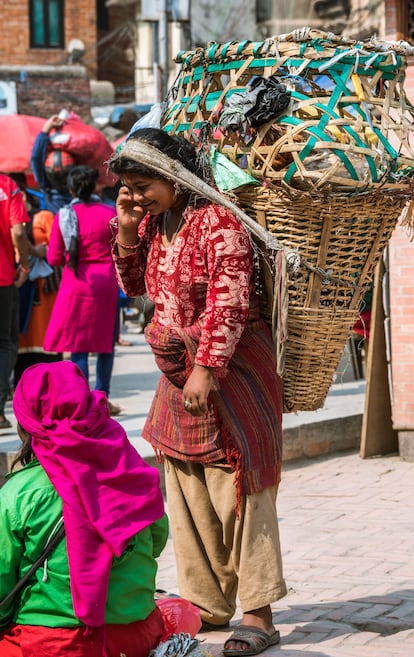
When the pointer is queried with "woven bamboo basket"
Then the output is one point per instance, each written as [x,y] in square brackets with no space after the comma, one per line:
[347,127]
[340,240]
[334,168]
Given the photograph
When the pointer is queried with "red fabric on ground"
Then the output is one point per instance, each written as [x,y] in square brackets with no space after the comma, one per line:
[135,639]
[9,643]
[33,641]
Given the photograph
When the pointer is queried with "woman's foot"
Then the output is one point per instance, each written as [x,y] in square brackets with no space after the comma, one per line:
[124,343]
[257,618]
[4,422]
[113,409]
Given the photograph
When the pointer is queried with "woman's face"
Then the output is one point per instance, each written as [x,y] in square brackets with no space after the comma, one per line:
[155,195]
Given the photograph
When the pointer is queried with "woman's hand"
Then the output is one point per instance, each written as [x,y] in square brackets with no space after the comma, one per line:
[197,390]
[21,275]
[40,251]
[54,122]
[129,214]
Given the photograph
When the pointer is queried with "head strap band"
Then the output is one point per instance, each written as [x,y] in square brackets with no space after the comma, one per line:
[140,151]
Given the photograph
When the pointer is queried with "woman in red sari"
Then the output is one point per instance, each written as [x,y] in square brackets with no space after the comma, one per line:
[216,415]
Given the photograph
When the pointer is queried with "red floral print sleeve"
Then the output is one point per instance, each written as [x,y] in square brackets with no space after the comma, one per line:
[204,276]
[229,266]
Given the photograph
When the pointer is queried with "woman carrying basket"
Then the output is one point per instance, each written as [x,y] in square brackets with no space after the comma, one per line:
[216,415]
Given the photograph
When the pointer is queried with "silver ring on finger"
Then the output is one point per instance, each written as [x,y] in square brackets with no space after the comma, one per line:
[187,404]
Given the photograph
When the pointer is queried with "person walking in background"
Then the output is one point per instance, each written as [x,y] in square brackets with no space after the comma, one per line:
[217,413]
[50,170]
[123,300]
[95,594]
[13,238]
[37,297]
[84,316]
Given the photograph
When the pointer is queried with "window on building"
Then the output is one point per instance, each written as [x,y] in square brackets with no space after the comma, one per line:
[46,23]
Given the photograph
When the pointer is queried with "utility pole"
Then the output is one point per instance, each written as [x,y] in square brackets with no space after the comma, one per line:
[156,67]
[163,46]
[159,13]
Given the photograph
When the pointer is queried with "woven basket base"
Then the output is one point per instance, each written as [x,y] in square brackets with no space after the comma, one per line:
[313,351]
[344,236]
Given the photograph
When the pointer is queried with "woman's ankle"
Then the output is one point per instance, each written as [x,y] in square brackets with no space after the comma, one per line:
[261,618]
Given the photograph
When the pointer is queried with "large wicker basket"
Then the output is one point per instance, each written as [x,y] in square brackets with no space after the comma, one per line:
[335,171]
[340,240]
[348,125]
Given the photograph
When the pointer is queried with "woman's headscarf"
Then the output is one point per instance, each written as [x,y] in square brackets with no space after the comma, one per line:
[109,493]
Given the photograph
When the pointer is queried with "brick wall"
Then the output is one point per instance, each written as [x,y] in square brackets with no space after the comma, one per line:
[401,268]
[401,285]
[45,79]
[80,23]
[44,90]
[409,82]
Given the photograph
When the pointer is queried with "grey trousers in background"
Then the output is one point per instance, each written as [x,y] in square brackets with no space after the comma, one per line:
[9,338]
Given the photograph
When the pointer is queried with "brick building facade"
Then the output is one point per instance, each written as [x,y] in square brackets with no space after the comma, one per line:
[79,23]
[401,277]
[45,78]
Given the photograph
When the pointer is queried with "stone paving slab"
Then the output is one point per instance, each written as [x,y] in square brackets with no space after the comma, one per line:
[348,559]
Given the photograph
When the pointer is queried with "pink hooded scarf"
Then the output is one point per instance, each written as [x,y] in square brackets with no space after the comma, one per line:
[109,493]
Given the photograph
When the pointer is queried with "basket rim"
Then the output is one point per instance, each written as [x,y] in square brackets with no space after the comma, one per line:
[304,37]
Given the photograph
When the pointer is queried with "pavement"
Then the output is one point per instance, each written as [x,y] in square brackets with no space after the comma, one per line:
[346,527]
[135,377]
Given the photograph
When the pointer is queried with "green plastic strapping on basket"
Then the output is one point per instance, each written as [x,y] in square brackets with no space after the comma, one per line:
[330,137]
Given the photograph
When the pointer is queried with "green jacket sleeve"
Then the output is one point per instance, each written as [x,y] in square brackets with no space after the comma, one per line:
[159,530]
[11,550]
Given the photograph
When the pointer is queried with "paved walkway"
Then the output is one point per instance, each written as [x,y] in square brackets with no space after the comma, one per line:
[347,532]
[348,549]
[135,377]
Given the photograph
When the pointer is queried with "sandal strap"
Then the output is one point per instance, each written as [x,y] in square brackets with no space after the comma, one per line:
[253,636]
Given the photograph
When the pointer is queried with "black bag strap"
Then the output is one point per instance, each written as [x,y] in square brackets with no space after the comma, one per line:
[49,547]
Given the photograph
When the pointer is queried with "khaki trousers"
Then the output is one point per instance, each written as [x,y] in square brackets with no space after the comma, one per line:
[219,556]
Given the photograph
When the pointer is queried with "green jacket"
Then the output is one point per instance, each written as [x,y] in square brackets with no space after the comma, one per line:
[29,509]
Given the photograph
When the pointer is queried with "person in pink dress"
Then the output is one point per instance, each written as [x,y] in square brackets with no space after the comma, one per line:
[84,316]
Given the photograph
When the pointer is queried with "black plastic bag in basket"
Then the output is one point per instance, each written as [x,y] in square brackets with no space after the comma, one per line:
[272,97]
[263,100]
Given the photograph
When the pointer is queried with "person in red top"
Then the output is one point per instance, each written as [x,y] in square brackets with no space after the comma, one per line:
[13,237]
[217,413]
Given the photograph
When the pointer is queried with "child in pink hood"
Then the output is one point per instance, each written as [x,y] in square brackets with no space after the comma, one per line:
[95,595]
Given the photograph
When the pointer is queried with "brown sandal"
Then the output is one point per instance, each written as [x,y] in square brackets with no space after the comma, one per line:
[256,639]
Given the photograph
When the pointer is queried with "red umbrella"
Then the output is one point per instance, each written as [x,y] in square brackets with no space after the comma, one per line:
[17,135]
